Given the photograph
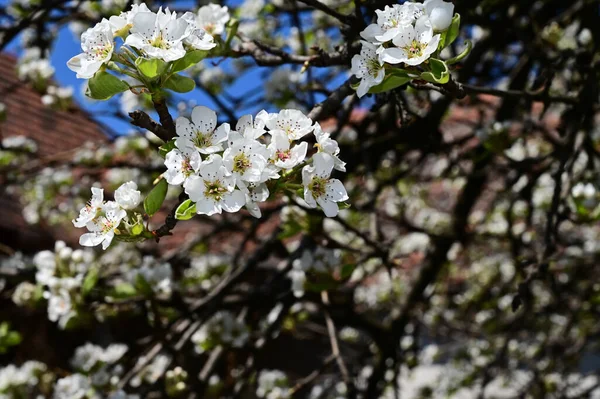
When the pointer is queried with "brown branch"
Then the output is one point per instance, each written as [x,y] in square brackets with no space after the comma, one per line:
[335,347]
[266,55]
[332,103]
[345,19]
[143,120]
[160,105]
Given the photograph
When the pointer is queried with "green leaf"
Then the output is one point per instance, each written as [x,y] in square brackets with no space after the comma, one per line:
[154,200]
[13,338]
[439,72]
[179,84]
[290,229]
[167,147]
[124,290]
[103,86]
[448,36]
[347,271]
[462,55]
[186,210]
[90,281]
[143,286]
[188,60]
[150,67]
[391,81]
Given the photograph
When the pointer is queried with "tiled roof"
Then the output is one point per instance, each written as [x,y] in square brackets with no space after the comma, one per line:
[55,132]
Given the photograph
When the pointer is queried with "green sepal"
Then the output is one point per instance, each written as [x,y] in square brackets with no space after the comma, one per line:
[166,148]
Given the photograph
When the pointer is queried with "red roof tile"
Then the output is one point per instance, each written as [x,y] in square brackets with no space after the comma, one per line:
[55,132]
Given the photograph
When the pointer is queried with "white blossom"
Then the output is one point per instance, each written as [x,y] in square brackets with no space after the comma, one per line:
[251,128]
[221,328]
[158,275]
[440,14]
[283,154]
[414,44]
[181,164]
[88,356]
[329,146]
[245,160]
[584,190]
[125,20]
[127,195]
[97,45]
[256,193]
[201,132]
[214,189]
[291,121]
[197,37]
[391,20]
[273,384]
[60,306]
[90,211]
[320,188]
[102,229]
[159,35]
[75,386]
[368,67]
[212,18]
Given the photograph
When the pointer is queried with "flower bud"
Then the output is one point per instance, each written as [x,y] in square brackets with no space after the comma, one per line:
[440,14]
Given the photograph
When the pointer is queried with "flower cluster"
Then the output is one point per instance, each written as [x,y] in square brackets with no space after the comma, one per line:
[240,166]
[407,34]
[273,384]
[103,218]
[221,329]
[321,261]
[154,275]
[162,35]
[98,367]
[21,382]
[59,276]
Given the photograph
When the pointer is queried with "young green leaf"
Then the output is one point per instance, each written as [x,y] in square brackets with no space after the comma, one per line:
[439,72]
[124,290]
[179,84]
[463,54]
[190,59]
[186,210]
[154,200]
[391,81]
[150,67]
[90,281]
[103,86]
[142,286]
